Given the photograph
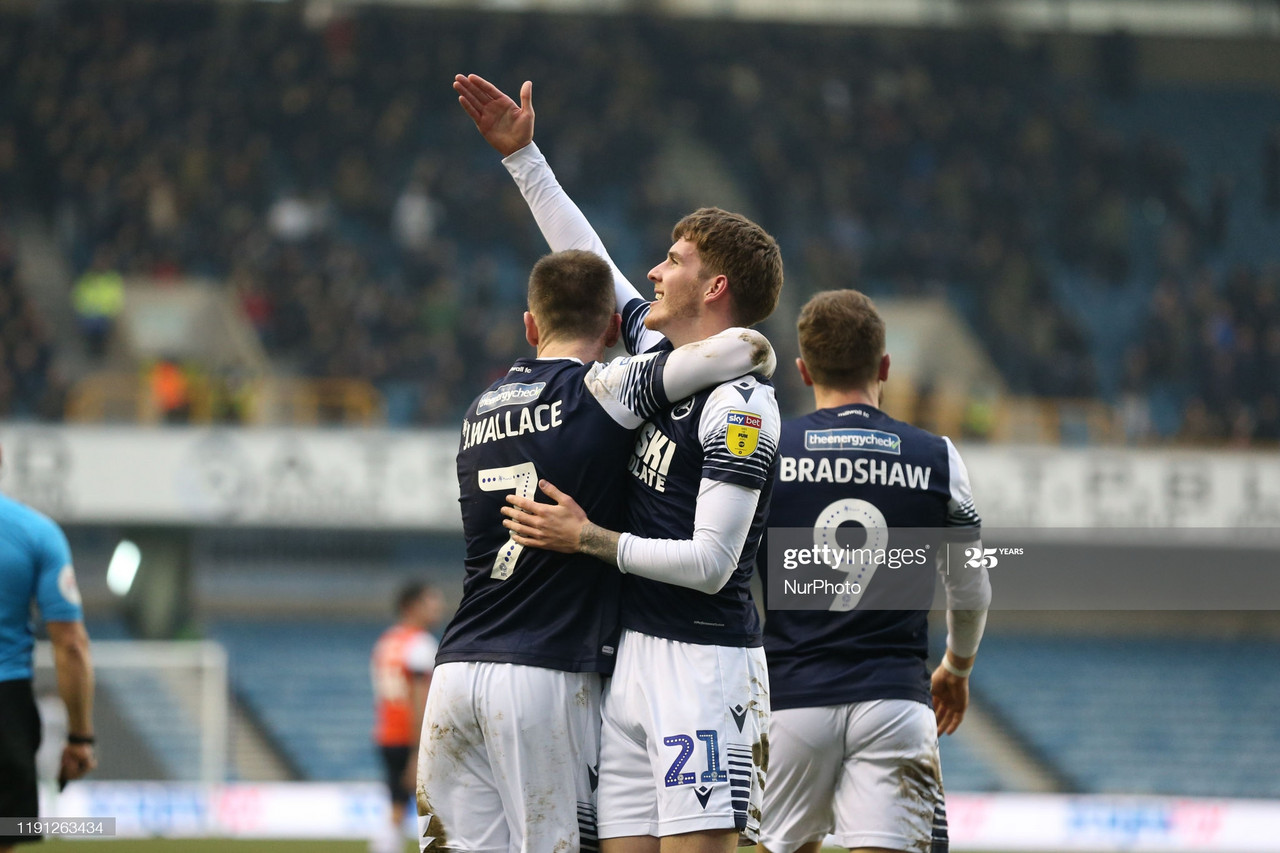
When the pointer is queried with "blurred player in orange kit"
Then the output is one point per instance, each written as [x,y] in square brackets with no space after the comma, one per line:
[401,666]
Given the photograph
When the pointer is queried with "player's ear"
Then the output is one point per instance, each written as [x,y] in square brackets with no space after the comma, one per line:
[614,331]
[717,288]
[530,330]
[883,375]
[804,372]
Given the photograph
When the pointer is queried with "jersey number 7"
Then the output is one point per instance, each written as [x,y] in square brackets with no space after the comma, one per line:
[522,479]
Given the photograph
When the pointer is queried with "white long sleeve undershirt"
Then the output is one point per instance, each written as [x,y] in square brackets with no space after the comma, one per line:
[563,224]
[968,598]
[704,563]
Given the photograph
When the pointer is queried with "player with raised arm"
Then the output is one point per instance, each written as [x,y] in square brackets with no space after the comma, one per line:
[854,744]
[511,732]
[684,738]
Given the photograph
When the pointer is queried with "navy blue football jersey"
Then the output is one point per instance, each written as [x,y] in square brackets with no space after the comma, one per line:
[910,478]
[573,425]
[730,434]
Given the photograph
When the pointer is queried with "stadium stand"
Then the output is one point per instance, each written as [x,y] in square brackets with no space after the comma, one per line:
[153,705]
[30,387]
[307,683]
[962,767]
[180,140]
[1142,715]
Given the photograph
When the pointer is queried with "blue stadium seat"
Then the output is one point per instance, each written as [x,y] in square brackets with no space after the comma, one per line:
[1143,716]
[963,769]
[155,710]
[308,683]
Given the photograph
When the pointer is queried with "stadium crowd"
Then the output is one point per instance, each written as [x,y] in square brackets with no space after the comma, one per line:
[321,168]
[30,384]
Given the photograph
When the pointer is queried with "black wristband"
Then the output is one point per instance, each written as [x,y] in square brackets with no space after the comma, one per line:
[80,740]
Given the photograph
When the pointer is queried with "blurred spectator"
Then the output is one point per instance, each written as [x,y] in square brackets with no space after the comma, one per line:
[171,390]
[294,219]
[1134,406]
[414,217]
[98,298]
[318,163]
[30,385]
[1219,214]
[1267,426]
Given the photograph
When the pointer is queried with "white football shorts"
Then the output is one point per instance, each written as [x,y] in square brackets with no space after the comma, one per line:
[508,759]
[867,772]
[684,743]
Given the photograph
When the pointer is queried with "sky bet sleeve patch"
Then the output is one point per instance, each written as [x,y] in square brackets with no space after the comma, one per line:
[743,433]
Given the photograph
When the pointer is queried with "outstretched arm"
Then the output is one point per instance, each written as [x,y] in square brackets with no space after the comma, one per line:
[508,127]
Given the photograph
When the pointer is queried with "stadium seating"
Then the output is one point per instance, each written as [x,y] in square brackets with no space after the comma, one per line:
[308,684]
[155,709]
[963,768]
[1106,715]
[1143,716]
[952,163]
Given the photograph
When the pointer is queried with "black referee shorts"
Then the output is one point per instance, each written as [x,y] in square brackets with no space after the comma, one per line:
[19,740]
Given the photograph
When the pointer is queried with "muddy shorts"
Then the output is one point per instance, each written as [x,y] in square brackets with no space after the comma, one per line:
[508,759]
[867,772]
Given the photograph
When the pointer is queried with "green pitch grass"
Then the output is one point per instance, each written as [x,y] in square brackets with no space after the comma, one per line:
[214,845]
[211,845]
[204,845]
[223,845]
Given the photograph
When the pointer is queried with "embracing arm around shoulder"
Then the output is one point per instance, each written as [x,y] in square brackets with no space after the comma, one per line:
[632,388]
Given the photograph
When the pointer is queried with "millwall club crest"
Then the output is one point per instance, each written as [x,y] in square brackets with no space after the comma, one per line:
[743,433]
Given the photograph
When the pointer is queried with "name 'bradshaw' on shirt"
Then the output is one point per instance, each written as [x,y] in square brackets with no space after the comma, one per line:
[845,470]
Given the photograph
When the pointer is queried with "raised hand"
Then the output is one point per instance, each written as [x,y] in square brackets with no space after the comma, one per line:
[506,126]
